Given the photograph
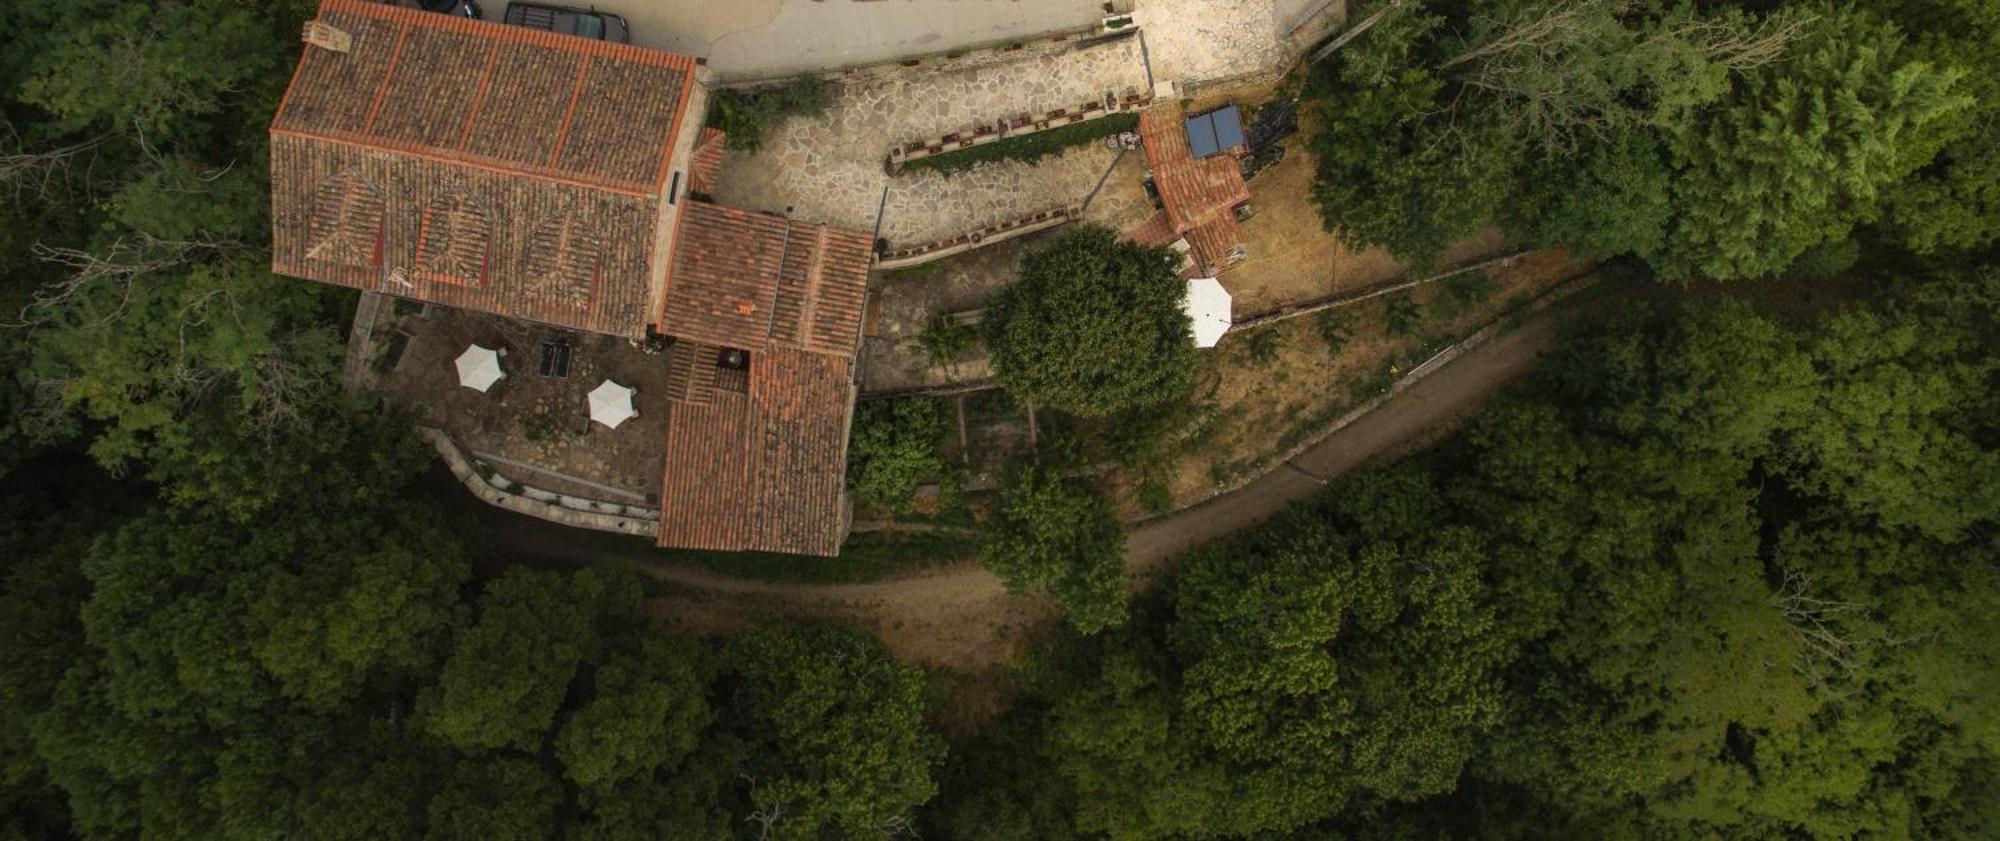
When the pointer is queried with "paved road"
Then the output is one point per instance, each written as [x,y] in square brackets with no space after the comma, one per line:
[961,617]
[750,39]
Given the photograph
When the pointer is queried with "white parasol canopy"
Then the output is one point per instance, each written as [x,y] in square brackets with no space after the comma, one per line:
[1207,303]
[611,404]
[479,368]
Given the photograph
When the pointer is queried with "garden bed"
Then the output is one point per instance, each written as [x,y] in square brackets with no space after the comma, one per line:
[1028,147]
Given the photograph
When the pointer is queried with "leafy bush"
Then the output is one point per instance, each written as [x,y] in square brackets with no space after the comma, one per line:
[541,427]
[1336,328]
[945,341]
[1028,147]
[1154,495]
[1262,346]
[894,449]
[744,116]
[1400,314]
[1460,295]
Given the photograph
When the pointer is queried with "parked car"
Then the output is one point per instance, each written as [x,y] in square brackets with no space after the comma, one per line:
[455,8]
[583,23]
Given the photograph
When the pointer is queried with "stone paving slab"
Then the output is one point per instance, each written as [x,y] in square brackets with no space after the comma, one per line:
[830,169]
[1203,40]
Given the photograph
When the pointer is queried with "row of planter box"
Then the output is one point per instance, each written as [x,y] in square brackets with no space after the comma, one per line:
[1023,124]
[899,258]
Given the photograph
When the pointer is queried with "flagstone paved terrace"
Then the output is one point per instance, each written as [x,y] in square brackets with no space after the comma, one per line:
[564,442]
[830,169]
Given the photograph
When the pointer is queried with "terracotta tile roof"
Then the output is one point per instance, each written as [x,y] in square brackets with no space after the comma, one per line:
[1157,231]
[477,165]
[1216,238]
[743,279]
[706,161]
[762,469]
[1199,195]
[757,460]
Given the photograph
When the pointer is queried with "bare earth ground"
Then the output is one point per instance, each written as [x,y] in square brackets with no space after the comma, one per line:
[960,618]
[1292,257]
[1247,412]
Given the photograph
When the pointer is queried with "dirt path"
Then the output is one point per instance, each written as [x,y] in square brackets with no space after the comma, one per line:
[960,617]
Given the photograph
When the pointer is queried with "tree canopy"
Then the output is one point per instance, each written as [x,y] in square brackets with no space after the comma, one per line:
[1711,142]
[1059,535]
[894,448]
[1093,326]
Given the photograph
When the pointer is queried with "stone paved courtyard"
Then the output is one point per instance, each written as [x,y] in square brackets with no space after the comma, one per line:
[1201,40]
[830,169]
[499,421]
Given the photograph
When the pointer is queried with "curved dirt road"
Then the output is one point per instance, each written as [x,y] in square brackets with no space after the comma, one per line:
[960,617]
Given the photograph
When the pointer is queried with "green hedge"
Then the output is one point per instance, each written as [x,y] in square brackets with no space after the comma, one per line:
[1028,147]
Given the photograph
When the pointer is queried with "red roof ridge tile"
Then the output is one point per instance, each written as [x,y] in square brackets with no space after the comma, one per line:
[472,160]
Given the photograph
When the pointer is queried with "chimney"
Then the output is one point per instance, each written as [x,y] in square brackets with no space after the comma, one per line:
[326,37]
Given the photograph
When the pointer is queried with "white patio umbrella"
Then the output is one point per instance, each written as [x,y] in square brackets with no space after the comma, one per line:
[1207,303]
[611,404]
[479,368]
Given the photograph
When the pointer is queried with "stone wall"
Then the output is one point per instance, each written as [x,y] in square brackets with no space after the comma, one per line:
[902,258]
[497,490]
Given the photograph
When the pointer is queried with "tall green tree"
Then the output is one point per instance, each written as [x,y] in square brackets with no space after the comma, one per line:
[836,742]
[1059,535]
[1386,174]
[1801,150]
[508,674]
[646,712]
[1953,201]
[1093,325]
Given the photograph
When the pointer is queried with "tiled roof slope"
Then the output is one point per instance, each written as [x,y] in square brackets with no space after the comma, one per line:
[1200,196]
[758,461]
[483,166]
[743,279]
[762,470]
[707,160]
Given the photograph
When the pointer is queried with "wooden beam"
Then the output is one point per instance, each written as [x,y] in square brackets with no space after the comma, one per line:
[1355,31]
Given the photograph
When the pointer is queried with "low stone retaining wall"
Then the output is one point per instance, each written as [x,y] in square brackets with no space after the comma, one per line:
[519,498]
[997,52]
[1019,125]
[900,258]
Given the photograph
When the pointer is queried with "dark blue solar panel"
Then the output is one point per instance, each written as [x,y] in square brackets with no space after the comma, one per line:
[1201,136]
[1228,128]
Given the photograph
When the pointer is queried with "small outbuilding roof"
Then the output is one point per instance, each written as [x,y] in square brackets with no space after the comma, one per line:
[1199,195]
[1211,133]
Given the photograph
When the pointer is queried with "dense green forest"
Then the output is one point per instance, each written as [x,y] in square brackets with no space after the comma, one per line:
[1718,570]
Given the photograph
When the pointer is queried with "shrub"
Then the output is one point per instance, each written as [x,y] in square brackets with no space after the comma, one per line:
[744,116]
[1154,495]
[1262,346]
[1401,314]
[1336,328]
[1826,259]
[945,341]
[1460,295]
[542,426]
[894,448]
